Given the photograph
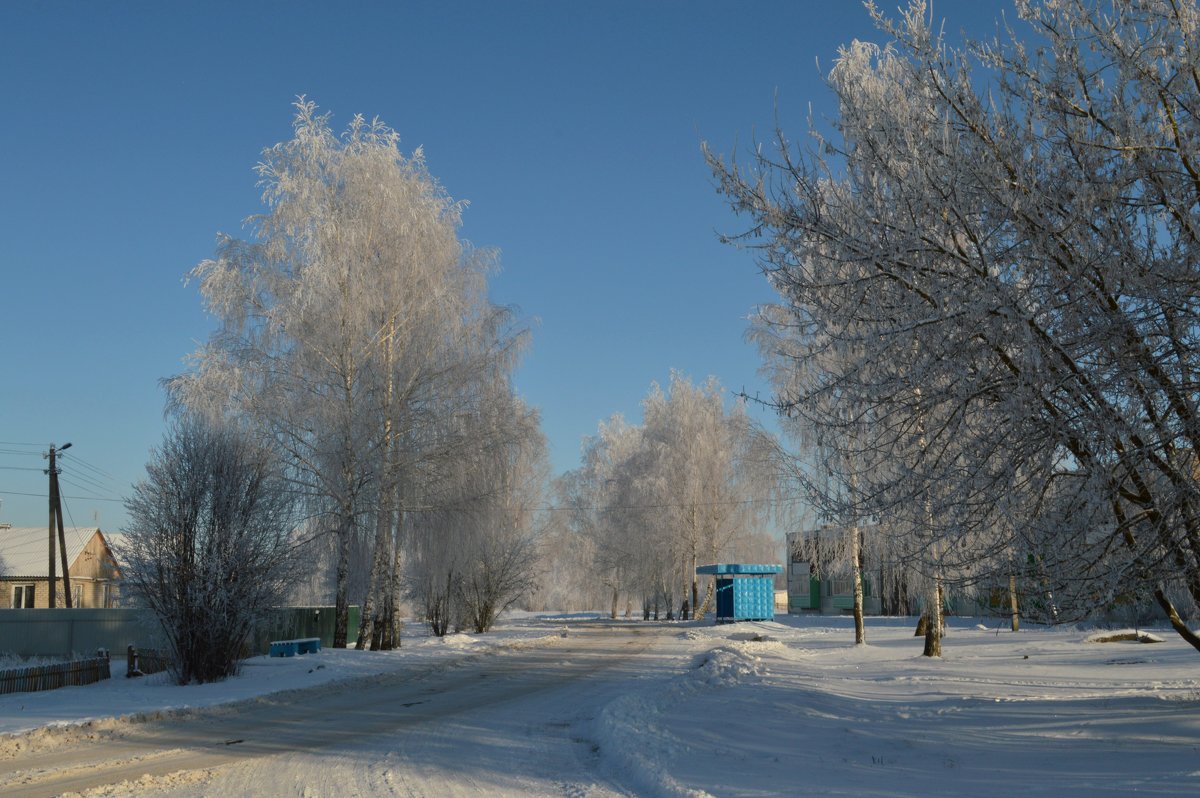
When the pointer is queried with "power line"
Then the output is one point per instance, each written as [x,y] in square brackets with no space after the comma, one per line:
[80,487]
[75,528]
[42,496]
[90,467]
[661,506]
[435,508]
[21,468]
[667,505]
[15,443]
[91,481]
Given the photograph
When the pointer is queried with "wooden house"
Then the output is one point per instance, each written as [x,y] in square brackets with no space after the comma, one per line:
[25,563]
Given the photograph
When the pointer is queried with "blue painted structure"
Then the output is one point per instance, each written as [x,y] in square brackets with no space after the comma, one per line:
[745,592]
[290,648]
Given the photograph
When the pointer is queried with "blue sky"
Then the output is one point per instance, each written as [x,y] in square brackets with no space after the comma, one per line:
[129,131]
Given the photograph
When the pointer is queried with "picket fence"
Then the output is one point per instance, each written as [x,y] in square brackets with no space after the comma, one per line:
[147,661]
[50,677]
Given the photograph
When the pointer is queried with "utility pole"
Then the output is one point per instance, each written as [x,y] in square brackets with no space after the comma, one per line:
[57,520]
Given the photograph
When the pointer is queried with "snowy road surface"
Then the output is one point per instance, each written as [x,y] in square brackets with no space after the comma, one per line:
[689,710]
[447,731]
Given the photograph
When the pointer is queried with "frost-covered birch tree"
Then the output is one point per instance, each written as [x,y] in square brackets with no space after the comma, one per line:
[475,546]
[695,482]
[346,322]
[1000,241]
[604,498]
[713,472]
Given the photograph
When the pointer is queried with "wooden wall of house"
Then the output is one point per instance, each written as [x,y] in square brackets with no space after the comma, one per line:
[94,576]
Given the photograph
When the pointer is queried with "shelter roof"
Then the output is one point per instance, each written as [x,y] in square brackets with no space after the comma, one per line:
[739,568]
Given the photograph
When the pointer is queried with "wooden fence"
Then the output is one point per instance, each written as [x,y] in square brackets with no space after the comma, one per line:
[145,661]
[50,677]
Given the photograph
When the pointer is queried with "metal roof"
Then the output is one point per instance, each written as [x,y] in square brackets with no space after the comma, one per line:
[739,568]
[24,550]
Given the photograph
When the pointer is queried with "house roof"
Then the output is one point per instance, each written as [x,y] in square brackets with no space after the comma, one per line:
[24,549]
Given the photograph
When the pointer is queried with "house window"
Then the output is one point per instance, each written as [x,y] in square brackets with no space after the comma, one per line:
[76,595]
[22,597]
[798,583]
[108,597]
[841,586]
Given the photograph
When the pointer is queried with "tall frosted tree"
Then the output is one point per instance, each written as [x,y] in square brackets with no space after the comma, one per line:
[999,242]
[695,482]
[350,317]
[604,495]
[475,544]
[714,472]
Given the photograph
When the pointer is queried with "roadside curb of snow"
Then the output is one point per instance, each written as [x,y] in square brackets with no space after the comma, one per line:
[638,746]
[147,784]
[59,733]
[530,642]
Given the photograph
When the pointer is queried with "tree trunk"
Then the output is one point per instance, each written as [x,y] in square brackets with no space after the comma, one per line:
[396,583]
[372,602]
[1160,595]
[860,630]
[695,587]
[1012,600]
[933,626]
[1177,623]
[707,604]
[341,603]
[389,528]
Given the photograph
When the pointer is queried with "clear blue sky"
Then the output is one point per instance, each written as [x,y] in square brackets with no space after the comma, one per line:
[129,131]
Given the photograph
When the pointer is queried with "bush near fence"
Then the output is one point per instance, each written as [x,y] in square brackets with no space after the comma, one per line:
[50,677]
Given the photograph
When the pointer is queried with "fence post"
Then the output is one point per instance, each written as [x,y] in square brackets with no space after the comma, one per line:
[131,665]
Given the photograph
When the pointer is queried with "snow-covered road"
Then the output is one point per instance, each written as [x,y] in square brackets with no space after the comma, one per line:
[661,710]
[441,731]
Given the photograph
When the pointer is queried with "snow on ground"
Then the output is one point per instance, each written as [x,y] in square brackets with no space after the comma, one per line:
[792,706]
[152,696]
[785,707]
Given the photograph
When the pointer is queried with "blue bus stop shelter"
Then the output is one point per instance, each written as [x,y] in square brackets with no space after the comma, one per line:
[744,592]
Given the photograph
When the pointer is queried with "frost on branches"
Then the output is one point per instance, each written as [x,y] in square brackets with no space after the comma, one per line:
[693,484]
[207,544]
[990,272]
[355,340]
